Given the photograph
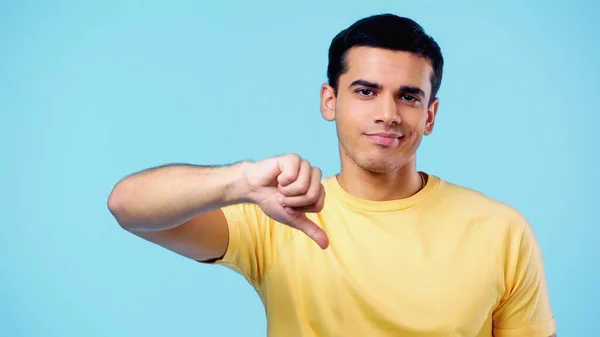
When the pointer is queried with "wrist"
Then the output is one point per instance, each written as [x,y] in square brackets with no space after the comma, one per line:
[239,190]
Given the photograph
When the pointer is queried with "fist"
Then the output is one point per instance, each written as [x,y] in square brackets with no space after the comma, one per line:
[286,188]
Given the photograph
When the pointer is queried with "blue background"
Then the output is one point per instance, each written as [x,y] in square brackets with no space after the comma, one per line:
[92,91]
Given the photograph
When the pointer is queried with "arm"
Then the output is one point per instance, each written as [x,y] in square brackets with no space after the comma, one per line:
[179,206]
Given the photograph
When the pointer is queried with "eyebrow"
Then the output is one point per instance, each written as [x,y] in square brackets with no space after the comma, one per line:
[364,83]
[404,88]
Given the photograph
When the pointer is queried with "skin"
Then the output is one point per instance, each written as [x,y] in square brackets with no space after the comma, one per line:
[382,91]
[179,206]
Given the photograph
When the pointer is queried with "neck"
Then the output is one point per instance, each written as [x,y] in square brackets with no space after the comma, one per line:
[400,183]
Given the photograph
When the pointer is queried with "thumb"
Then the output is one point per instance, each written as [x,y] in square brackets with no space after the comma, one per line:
[301,222]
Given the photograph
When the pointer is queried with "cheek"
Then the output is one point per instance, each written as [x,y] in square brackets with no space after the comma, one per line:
[415,120]
[349,133]
[355,114]
[346,131]
[347,118]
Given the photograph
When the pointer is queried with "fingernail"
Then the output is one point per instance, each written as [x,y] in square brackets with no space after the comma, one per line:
[281,199]
[289,210]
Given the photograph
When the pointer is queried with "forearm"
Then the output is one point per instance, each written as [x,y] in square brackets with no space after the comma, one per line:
[167,196]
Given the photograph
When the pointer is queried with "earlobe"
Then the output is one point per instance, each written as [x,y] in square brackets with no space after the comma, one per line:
[327,102]
[431,114]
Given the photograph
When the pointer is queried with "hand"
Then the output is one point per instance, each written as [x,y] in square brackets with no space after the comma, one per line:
[285,188]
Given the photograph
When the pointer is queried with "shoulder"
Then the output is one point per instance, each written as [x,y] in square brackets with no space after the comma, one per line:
[474,202]
[503,228]
[480,208]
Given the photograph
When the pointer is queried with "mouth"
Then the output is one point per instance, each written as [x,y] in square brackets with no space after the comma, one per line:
[385,139]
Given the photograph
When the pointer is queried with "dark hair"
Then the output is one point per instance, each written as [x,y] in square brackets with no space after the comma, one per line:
[386,31]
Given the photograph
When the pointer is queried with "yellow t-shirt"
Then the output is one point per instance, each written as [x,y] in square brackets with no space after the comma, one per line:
[447,261]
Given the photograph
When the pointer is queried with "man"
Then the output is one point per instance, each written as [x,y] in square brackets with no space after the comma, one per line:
[380,249]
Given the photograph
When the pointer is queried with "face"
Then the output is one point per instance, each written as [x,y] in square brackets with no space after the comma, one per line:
[382,108]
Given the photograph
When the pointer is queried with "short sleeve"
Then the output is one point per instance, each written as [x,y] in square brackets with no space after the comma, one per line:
[524,310]
[253,241]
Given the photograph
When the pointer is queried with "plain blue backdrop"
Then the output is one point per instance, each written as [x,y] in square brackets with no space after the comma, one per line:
[92,91]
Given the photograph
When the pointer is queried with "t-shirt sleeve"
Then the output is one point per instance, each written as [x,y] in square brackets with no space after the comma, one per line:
[253,241]
[524,310]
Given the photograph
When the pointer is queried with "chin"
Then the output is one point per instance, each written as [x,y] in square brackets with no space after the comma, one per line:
[374,160]
[381,165]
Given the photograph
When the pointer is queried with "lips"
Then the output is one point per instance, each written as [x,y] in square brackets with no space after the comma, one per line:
[385,139]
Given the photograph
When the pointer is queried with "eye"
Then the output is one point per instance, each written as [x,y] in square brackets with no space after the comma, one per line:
[365,92]
[409,98]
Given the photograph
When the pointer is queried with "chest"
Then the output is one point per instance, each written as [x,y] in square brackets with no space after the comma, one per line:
[407,276]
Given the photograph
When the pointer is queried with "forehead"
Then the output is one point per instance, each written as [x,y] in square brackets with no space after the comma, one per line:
[386,67]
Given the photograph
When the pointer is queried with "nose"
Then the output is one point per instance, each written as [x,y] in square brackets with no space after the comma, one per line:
[387,113]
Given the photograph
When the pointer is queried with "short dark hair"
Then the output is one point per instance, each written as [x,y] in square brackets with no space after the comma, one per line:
[386,31]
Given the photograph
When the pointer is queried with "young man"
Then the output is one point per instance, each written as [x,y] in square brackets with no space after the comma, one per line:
[380,249]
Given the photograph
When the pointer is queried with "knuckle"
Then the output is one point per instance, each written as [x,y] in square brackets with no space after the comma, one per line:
[303,188]
[313,195]
[291,191]
[317,172]
[293,157]
[294,189]
[319,205]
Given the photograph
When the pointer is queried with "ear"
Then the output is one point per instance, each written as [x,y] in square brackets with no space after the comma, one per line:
[431,114]
[327,102]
